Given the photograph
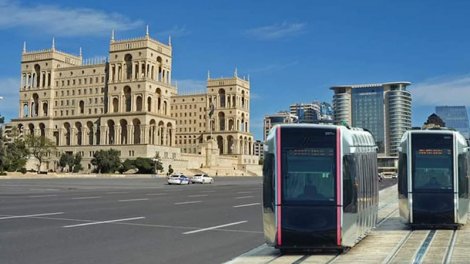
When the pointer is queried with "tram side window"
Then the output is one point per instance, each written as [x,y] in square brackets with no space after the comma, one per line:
[349,191]
[402,175]
[268,175]
[463,175]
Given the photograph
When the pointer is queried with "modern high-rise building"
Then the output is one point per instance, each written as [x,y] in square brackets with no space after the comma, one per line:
[315,112]
[455,117]
[282,117]
[383,108]
[258,149]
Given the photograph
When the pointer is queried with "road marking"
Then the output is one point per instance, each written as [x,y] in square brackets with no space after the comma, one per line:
[85,198]
[44,189]
[245,205]
[26,216]
[212,228]
[208,191]
[45,195]
[244,192]
[190,202]
[106,222]
[198,195]
[155,194]
[116,192]
[244,197]
[134,200]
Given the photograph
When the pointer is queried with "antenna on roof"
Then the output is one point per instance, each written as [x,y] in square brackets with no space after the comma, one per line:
[53,43]
[24,47]
[147,31]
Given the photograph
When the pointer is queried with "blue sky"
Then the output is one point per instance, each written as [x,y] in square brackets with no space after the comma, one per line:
[293,51]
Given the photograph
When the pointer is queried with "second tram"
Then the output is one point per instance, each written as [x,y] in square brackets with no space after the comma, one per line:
[433,178]
[320,186]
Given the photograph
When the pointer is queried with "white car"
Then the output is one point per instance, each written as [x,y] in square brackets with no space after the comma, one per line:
[202,178]
[178,179]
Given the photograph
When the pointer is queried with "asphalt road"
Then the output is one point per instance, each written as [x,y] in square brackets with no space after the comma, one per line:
[129,220]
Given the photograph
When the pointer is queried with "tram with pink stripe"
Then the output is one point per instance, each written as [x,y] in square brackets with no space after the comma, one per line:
[320,186]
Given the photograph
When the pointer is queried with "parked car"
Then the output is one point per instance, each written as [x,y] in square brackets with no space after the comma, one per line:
[388,174]
[178,179]
[202,178]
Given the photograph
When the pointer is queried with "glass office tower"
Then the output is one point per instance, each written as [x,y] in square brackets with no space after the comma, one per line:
[384,109]
[455,117]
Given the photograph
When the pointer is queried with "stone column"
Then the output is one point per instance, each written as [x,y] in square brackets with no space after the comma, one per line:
[103,135]
[130,134]
[85,137]
[61,136]
[72,135]
[225,144]
[144,134]
[117,134]
[165,133]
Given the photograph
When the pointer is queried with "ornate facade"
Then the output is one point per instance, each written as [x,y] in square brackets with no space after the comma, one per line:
[128,102]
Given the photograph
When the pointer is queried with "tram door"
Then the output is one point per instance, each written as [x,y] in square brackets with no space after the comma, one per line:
[432,180]
[308,184]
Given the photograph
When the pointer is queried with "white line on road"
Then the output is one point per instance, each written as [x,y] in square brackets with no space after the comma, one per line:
[198,195]
[116,192]
[155,194]
[26,216]
[208,191]
[214,227]
[86,198]
[44,189]
[244,192]
[40,196]
[244,197]
[134,200]
[106,222]
[245,205]
[190,202]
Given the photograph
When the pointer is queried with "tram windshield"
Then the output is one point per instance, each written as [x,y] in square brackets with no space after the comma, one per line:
[310,175]
[432,162]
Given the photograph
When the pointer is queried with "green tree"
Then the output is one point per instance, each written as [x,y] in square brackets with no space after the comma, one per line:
[71,161]
[126,165]
[40,147]
[145,165]
[106,161]
[13,152]
[77,165]
[66,159]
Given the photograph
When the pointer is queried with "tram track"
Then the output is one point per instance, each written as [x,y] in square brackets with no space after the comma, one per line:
[430,240]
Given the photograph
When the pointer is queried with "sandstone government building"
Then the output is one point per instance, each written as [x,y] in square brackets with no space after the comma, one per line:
[128,102]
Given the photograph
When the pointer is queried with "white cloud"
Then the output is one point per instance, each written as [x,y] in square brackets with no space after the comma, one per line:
[62,21]
[189,86]
[9,90]
[442,91]
[273,67]
[276,31]
[175,31]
